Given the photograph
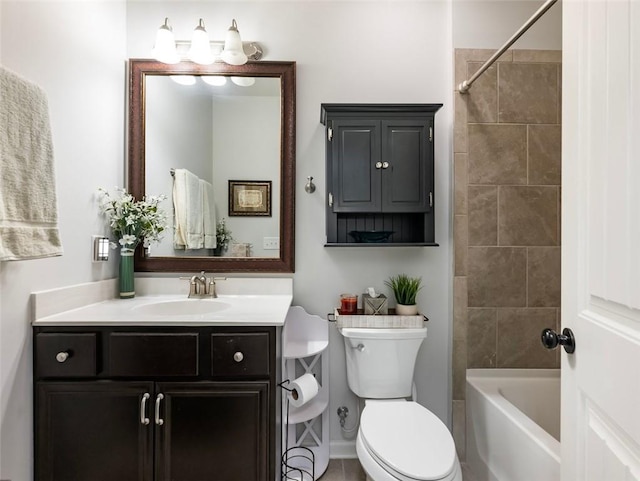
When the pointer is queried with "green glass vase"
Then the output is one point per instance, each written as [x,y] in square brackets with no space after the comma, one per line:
[127,288]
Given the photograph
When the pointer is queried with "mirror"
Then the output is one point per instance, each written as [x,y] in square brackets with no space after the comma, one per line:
[238,137]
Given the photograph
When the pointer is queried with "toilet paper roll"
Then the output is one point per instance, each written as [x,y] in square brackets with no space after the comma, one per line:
[303,390]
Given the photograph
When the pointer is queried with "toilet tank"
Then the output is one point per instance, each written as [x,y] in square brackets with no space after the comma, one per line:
[380,362]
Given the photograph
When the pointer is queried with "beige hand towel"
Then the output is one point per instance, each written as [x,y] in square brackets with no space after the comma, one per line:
[209,215]
[28,203]
[187,205]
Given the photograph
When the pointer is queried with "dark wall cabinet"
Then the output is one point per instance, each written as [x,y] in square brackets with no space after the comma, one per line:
[155,404]
[380,173]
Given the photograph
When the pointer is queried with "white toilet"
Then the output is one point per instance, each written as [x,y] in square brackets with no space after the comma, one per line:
[397,439]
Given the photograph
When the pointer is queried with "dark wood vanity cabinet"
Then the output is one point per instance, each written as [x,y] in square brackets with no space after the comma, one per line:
[177,404]
[380,172]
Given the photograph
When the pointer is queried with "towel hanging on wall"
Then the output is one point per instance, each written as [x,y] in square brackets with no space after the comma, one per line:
[28,203]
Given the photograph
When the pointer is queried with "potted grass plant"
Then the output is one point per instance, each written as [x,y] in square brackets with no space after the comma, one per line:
[405,289]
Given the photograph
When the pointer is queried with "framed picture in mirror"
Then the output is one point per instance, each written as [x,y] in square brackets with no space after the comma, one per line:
[250,198]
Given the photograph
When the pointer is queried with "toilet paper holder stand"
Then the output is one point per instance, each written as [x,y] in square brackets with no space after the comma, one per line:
[303,457]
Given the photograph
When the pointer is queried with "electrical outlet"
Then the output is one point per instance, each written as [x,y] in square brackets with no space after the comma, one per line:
[271,243]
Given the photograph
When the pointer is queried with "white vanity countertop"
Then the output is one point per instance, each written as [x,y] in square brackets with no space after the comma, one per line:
[240,302]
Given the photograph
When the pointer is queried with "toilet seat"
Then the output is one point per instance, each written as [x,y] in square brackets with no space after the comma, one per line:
[408,441]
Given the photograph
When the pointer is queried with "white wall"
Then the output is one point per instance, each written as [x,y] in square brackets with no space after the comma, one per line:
[348,52]
[76,52]
[345,52]
[489,24]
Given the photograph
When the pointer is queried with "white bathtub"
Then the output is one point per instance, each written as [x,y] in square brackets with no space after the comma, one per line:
[513,424]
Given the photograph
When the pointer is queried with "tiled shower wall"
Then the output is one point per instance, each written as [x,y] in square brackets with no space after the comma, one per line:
[507,215]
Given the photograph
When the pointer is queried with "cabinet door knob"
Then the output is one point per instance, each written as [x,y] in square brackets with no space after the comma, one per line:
[62,356]
[158,419]
[385,165]
[238,357]
[378,165]
[143,409]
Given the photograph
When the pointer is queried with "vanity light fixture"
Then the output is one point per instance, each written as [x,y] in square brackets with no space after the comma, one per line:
[243,81]
[215,80]
[233,53]
[183,79]
[164,49]
[201,49]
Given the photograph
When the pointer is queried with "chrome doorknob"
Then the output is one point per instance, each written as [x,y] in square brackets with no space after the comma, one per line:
[550,339]
[238,357]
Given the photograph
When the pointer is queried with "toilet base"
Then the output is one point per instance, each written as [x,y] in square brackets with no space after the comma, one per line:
[375,472]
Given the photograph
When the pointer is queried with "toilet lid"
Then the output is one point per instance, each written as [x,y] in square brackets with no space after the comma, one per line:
[408,439]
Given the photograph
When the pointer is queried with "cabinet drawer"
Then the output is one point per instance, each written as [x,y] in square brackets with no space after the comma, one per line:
[65,355]
[240,354]
[134,354]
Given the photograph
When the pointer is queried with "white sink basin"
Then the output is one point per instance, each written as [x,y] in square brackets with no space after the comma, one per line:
[182,307]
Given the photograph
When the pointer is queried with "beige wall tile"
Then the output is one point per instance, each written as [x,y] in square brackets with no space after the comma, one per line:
[482,99]
[461,180]
[460,129]
[548,56]
[482,55]
[461,242]
[459,368]
[519,343]
[460,308]
[497,154]
[459,430]
[545,150]
[481,338]
[483,215]
[527,215]
[497,277]
[543,277]
[528,93]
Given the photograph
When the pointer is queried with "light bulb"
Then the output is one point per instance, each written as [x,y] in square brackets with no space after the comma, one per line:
[233,53]
[200,50]
[164,49]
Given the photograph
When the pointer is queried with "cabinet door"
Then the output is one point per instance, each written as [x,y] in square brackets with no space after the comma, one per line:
[355,179]
[92,430]
[213,431]
[407,165]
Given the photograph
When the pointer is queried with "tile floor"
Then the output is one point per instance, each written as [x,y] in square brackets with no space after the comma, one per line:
[350,470]
[343,470]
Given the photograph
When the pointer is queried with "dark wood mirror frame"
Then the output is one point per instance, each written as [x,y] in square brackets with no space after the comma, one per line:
[286,72]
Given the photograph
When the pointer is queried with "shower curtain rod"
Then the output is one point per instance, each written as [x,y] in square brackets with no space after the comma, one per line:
[466,85]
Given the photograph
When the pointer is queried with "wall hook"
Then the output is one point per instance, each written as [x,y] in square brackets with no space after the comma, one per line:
[310,187]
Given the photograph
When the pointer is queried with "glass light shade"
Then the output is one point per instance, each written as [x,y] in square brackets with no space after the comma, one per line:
[233,53]
[200,50]
[183,79]
[215,80]
[164,49]
[243,81]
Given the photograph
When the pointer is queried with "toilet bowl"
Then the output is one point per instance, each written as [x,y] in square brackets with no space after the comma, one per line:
[403,441]
[398,440]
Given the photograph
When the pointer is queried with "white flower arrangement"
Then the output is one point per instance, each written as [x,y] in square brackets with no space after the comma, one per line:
[223,235]
[133,221]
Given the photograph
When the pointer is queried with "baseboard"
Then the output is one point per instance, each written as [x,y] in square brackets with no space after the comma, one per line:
[342,450]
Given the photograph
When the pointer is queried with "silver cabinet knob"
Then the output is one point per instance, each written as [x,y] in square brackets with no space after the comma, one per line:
[238,357]
[62,356]
[385,165]
[378,165]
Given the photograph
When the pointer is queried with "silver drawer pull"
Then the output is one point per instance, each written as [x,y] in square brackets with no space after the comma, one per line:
[62,356]
[158,420]
[238,357]
[143,409]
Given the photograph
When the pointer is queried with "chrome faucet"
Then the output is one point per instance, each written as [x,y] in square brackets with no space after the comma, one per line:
[202,286]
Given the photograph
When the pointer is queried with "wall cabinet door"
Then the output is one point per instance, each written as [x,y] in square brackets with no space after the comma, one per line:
[93,431]
[213,431]
[380,166]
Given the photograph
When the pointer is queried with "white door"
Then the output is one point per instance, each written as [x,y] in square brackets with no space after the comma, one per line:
[601,240]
